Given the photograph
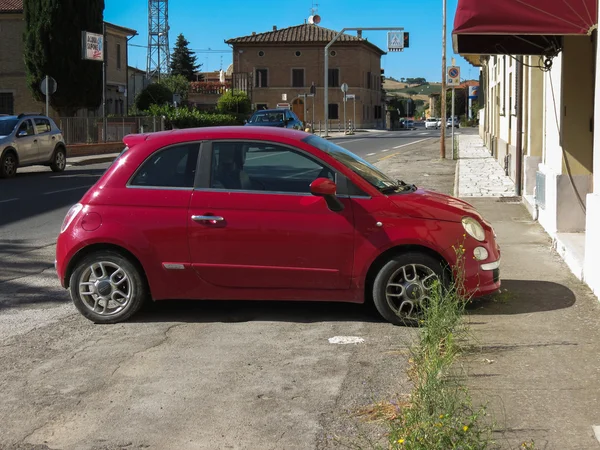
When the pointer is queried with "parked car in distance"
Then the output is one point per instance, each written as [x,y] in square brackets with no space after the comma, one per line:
[452,122]
[248,213]
[431,123]
[30,139]
[410,124]
[283,118]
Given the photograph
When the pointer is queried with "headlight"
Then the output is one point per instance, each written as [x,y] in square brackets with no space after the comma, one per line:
[473,228]
[70,216]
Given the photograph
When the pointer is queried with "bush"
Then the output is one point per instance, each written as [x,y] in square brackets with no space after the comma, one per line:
[234,102]
[191,118]
[154,94]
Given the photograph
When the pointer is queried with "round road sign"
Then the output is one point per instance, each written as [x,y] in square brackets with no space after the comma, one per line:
[51,86]
[453,72]
[344,87]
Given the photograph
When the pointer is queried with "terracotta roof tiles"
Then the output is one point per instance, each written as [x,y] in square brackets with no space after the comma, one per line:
[11,6]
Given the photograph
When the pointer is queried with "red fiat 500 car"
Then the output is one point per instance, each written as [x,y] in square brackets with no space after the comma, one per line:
[255,213]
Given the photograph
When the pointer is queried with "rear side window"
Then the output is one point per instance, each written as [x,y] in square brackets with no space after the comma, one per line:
[42,125]
[172,167]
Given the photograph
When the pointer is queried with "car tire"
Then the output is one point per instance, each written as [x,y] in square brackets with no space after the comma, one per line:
[8,164]
[108,275]
[59,160]
[395,282]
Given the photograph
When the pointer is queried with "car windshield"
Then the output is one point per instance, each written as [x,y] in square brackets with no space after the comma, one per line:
[267,117]
[358,165]
[7,126]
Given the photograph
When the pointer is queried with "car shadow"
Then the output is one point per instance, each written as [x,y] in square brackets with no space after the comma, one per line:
[523,297]
[233,311]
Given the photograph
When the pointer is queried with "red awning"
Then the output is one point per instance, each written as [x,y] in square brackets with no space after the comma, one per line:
[520,27]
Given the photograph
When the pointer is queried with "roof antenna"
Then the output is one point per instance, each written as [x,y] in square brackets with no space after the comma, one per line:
[314,18]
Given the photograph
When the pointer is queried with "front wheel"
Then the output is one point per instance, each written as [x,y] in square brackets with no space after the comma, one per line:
[106,287]
[404,284]
[59,160]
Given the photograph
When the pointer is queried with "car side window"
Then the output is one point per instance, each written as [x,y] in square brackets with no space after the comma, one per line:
[27,127]
[42,125]
[267,167]
[172,167]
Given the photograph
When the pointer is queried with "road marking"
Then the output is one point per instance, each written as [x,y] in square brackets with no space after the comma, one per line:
[423,133]
[403,145]
[386,150]
[370,154]
[265,156]
[352,140]
[9,200]
[67,190]
[346,340]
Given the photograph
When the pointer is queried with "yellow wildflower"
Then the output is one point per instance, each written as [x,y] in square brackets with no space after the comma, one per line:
[465,428]
[441,416]
[400,441]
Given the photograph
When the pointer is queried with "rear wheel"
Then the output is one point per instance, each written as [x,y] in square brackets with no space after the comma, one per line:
[404,285]
[8,164]
[106,287]
[59,160]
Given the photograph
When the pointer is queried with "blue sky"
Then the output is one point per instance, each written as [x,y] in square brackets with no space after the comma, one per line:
[207,24]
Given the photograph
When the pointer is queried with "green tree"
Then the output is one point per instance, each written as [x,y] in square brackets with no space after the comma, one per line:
[153,94]
[459,103]
[234,102]
[177,84]
[52,46]
[183,60]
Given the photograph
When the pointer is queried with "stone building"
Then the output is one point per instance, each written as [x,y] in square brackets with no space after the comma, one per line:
[279,66]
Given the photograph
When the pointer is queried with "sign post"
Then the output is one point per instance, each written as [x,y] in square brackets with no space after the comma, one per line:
[353,98]
[453,81]
[344,89]
[48,87]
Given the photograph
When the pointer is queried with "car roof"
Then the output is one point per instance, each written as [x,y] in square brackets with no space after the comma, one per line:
[271,110]
[3,117]
[209,133]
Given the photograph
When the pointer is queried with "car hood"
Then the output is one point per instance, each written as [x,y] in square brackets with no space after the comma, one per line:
[425,204]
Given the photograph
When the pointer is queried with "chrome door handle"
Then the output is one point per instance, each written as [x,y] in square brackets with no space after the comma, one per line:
[207,219]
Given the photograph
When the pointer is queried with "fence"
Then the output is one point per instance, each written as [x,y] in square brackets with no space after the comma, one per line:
[90,130]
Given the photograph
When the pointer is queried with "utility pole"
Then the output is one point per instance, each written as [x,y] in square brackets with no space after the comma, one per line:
[444,75]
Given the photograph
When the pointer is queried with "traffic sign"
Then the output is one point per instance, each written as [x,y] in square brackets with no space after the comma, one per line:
[52,86]
[395,41]
[454,76]
[344,87]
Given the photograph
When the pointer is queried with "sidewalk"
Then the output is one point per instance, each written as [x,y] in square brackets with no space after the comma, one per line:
[537,352]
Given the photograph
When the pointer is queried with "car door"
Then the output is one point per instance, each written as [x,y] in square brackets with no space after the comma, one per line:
[254,223]
[45,139]
[27,143]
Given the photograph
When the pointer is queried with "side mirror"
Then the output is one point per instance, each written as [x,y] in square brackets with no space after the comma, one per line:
[245,121]
[326,188]
[22,133]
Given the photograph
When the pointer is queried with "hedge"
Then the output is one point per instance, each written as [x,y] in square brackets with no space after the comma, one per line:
[192,118]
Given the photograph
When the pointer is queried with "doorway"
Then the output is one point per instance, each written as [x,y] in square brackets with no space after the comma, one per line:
[298,108]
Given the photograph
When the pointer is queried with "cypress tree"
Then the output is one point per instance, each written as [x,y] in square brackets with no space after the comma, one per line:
[183,60]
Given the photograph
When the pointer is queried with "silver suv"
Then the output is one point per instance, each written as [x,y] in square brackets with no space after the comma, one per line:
[30,139]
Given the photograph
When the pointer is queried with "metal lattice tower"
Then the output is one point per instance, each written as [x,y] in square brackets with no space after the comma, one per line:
[159,53]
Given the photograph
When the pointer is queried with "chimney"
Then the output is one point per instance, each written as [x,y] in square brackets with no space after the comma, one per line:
[254,33]
[359,34]
[274,27]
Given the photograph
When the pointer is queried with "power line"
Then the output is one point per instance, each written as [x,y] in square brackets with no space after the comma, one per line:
[195,50]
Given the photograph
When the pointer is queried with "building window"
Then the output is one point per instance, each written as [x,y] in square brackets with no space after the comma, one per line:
[261,53]
[298,53]
[297,77]
[261,106]
[119,56]
[369,80]
[7,103]
[334,77]
[261,77]
[334,111]
[377,112]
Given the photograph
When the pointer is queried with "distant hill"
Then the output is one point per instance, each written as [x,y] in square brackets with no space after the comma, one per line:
[406,90]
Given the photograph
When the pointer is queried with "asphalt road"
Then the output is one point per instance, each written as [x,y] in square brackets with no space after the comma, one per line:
[180,375]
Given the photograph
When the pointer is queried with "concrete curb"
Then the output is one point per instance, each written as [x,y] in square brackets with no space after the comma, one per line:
[456,171]
[89,161]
